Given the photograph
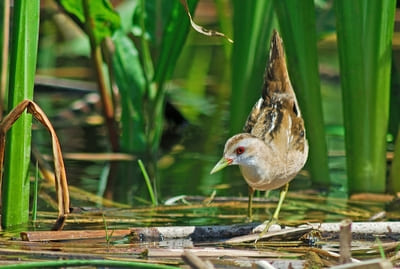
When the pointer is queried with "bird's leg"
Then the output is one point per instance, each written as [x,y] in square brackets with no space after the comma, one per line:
[250,204]
[282,196]
[275,216]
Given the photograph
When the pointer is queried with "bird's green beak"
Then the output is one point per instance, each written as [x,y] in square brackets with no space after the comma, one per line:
[221,165]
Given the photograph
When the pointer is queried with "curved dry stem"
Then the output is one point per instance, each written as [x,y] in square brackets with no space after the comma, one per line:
[60,175]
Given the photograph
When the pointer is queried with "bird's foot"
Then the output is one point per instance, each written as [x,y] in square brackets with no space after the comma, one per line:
[268,225]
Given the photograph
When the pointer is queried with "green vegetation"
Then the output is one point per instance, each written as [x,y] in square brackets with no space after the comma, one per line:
[137,49]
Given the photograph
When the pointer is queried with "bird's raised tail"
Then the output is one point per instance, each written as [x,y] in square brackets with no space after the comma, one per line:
[276,79]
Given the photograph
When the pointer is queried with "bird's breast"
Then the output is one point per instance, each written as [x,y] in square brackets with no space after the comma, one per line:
[262,180]
[274,173]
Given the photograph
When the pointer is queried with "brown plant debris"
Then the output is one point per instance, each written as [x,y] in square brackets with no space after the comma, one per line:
[60,175]
[199,28]
[345,241]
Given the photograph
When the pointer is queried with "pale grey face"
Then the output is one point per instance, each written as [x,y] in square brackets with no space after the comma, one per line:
[241,149]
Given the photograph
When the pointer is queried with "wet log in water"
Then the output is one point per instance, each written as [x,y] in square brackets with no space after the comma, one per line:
[245,232]
[198,233]
[229,244]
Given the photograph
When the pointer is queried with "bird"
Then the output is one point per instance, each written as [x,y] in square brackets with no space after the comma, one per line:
[273,147]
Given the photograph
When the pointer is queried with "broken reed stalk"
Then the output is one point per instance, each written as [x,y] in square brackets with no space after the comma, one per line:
[195,262]
[59,168]
[345,241]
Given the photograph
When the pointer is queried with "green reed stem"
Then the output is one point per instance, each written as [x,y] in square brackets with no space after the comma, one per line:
[148,69]
[23,51]
[364,32]
[148,183]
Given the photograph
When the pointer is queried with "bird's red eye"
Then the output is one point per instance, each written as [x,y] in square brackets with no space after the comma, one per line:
[239,150]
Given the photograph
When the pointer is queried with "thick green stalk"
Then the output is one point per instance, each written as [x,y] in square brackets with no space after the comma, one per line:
[252,28]
[22,73]
[297,25]
[365,30]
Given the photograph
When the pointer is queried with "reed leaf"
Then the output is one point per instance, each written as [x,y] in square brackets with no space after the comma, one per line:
[15,193]
[364,32]
[131,84]
[252,28]
[148,183]
[174,37]
[298,30]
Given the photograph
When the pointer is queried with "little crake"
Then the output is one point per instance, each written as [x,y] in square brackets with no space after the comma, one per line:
[273,147]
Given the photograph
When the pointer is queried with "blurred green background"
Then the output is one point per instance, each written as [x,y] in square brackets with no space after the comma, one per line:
[172,96]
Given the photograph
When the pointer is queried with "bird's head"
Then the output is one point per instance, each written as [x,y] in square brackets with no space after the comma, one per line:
[240,149]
